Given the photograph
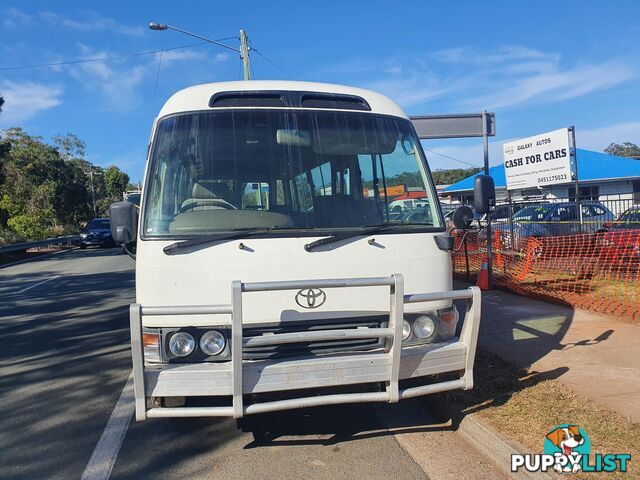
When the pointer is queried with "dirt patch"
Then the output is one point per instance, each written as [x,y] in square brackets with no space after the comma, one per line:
[525,406]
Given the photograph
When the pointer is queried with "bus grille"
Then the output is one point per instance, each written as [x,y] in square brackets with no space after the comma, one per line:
[302,349]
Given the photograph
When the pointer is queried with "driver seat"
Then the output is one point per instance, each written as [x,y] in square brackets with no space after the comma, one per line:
[207,195]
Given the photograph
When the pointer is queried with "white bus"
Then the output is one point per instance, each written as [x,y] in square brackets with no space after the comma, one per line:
[266,279]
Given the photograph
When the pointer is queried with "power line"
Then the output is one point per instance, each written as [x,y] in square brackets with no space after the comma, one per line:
[103,59]
[451,158]
[273,63]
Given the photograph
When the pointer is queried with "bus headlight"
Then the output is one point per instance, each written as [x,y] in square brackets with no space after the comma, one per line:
[181,344]
[212,342]
[424,328]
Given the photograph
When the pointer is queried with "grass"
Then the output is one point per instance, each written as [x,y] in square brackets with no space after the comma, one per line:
[524,406]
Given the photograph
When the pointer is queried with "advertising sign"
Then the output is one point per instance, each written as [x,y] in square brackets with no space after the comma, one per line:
[537,161]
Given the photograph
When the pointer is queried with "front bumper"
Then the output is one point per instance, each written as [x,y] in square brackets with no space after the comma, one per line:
[235,379]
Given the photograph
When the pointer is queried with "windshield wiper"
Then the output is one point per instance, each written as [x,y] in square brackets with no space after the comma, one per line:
[170,249]
[366,230]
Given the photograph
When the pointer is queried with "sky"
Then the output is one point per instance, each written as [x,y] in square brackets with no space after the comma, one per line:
[538,65]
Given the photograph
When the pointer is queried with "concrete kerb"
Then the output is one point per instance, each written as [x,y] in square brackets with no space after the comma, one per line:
[491,444]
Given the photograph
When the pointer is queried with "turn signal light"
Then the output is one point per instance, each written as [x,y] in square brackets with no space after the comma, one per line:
[151,344]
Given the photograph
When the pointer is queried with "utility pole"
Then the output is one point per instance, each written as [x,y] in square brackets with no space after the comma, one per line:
[93,193]
[244,54]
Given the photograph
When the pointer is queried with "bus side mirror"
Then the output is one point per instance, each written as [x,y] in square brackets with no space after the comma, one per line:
[124,222]
[463,217]
[484,194]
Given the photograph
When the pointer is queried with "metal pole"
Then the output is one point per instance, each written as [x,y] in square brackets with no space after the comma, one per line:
[466,253]
[572,129]
[485,142]
[511,220]
[93,194]
[244,55]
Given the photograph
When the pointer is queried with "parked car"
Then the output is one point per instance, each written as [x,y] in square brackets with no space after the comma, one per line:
[621,241]
[554,219]
[502,213]
[97,232]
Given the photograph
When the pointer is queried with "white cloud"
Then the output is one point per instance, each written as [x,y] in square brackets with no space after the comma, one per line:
[25,100]
[221,57]
[476,80]
[179,55]
[14,18]
[190,54]
[500,55]
[413,89]
[115,80]
[92,23]
[552,85]
[599,138]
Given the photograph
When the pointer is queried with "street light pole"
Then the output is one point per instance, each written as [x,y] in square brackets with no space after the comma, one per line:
[243,50]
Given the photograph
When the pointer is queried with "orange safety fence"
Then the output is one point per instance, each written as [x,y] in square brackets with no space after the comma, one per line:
[592,271]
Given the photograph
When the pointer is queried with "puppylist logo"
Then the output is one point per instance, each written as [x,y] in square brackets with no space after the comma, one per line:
[566,450]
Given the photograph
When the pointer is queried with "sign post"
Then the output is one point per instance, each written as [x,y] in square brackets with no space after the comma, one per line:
[461,125]
[574,154]
[485,144]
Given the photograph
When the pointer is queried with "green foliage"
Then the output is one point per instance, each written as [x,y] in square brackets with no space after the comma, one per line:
[1,103]
[115,181]
[70,146]
[31,227]
[46,188]
[447,177]
[626,149]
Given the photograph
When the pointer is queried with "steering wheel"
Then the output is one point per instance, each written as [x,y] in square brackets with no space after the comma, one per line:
[216,202]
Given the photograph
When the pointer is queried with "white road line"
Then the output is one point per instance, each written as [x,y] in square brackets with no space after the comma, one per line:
[38,284]
[106,451]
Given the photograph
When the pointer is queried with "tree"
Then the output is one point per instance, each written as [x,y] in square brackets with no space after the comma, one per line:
[70,146]
[115,181]
[41,193]
[447,177]
[626,149]
[1,103]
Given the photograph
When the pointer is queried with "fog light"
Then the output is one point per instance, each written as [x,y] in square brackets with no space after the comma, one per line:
[212,342]
[182,344]
[424,327]
[406,330]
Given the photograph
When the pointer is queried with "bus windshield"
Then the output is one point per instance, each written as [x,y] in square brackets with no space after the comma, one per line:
[304,171]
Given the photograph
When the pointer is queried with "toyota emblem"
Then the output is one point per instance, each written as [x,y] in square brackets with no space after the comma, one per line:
[310,297]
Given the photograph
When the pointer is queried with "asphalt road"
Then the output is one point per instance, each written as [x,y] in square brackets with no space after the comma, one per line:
[65,361]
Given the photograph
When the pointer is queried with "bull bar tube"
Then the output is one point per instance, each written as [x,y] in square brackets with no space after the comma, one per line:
[226,379]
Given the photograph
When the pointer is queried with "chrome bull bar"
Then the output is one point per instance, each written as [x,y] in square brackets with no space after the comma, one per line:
[392,335]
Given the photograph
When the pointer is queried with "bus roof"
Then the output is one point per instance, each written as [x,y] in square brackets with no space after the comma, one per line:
[198,97]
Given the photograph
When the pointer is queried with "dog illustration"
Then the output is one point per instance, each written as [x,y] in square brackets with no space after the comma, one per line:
[566,439]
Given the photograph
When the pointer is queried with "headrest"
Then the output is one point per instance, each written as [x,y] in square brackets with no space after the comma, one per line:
[210,190]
